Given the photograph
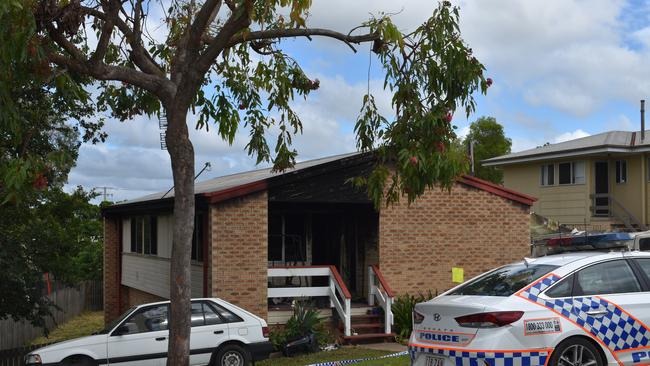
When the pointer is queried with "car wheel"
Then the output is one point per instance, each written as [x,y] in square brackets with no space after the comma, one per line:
[232,355]
[79,361]
[576,352]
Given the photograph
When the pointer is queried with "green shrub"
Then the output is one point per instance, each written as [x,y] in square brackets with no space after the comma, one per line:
[304,321]
[403,312]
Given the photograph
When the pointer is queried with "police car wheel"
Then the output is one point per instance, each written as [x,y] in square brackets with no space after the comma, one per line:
[576,352]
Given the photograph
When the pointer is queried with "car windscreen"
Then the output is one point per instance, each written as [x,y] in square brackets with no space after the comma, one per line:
[504,281]
[115,322]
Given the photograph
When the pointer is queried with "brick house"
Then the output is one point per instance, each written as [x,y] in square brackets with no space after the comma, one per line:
[261,238]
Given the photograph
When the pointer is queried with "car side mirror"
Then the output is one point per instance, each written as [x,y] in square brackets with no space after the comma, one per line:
[121,330]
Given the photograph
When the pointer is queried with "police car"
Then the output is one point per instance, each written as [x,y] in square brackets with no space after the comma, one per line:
[222,334]
[583,308]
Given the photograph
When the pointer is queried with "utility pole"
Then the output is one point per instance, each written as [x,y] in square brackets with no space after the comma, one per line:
[470,146]
[105,190]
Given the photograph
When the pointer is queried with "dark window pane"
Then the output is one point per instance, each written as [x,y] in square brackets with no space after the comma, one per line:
[644,244]
[294,238]
[613,277]
[154,235]
[211,317]
[562,289]
[134,233]
[565,173]
[147,234]
[226,315]
[197,314]
[148,320]
[551,174]
[504,281]
[275,238]
[138,234]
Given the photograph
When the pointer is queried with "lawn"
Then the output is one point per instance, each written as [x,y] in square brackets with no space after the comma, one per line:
[82,325]
[345,353]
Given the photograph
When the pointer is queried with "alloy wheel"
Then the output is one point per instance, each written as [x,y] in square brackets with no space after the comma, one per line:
[577,355]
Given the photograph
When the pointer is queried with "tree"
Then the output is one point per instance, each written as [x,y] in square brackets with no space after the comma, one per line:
[204,66]
[489,141]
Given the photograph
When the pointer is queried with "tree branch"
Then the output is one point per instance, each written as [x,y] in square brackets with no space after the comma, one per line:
[112,10]
[139,54]
[203,19]
[301,32]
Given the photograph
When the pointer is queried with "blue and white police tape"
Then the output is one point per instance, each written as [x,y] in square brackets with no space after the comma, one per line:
[349,362]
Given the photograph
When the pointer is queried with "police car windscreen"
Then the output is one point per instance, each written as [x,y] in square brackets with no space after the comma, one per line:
[504,281]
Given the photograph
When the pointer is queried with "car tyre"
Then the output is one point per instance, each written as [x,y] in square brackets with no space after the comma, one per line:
[232,355]
[576,352]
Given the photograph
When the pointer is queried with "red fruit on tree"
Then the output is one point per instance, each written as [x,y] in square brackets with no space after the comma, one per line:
[242,106]
[40,182]
[489,81]
[449,117]
[413,160]
[441,147]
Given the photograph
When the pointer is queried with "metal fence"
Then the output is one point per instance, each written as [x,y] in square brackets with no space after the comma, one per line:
[71,301]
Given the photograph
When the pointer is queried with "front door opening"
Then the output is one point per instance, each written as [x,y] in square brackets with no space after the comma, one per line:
[601,188]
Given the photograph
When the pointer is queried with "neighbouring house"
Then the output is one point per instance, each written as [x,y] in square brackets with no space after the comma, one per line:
[262,237]
[598,182]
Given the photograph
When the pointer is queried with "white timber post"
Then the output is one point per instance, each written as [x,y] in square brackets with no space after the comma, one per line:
[371,286]
[388,312]
[332,289]
[348,321]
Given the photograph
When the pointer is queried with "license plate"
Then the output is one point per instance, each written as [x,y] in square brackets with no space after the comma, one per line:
[434,361]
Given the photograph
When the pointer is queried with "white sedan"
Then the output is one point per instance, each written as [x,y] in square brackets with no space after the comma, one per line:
[222,334]
[574,309]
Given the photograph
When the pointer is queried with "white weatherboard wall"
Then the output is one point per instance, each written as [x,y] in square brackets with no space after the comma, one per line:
[151,274]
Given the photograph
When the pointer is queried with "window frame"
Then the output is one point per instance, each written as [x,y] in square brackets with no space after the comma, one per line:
[620,171]
[205,303]
[577,290]
[640,273]
[546,168]
[136,311]
[572,173]
[138,225]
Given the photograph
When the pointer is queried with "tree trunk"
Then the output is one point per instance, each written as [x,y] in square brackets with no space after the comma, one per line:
[181,152]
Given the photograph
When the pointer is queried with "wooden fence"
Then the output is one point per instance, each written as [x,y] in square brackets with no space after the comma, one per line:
[72,301]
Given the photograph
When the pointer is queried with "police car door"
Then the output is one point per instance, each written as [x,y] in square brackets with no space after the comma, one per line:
[608,301]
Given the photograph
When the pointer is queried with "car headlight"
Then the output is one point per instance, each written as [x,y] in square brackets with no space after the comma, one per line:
[33,359]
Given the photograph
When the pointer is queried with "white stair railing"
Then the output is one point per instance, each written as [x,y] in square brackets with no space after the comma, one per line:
[337,292]
[379,290]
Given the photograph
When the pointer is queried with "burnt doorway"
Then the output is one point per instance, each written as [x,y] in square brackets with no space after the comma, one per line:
[601,188]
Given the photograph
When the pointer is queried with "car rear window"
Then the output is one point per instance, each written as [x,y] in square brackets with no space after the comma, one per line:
[504,281]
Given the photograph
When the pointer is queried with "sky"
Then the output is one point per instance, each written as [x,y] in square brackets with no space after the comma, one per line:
[562,69]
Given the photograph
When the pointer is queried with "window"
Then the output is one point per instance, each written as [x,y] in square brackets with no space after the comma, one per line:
[144,235]
[644,244]
[287,238]
[572,173]
[227,315]
[203,314]
[197,238]
[150,319]
[621,171]
[612,277]
[562,289]
[504,281]
[645,265]
[548,175]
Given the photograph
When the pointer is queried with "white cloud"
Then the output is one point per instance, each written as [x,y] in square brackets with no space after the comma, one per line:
[571,136]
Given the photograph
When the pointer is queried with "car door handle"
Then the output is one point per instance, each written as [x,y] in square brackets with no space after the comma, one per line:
[597,312]
[161,338]
[218,332]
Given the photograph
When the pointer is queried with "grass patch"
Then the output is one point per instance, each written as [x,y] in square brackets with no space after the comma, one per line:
[345,353]
[79,326]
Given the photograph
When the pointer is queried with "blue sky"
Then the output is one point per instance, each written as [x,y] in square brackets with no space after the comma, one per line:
[562,69]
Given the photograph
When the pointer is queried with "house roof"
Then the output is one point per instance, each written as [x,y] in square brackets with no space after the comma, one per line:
[606,142]
[240,184]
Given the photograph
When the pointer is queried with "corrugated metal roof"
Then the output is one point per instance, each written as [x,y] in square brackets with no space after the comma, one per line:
[239,179]
[617,140]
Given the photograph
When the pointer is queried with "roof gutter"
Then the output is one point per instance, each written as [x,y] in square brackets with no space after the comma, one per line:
[566,154]
[238,191]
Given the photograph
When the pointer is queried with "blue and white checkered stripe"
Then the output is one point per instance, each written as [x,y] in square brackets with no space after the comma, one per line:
[462,358]
[616,329]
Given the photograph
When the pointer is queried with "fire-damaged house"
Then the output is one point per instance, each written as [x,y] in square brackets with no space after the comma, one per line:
[263,238]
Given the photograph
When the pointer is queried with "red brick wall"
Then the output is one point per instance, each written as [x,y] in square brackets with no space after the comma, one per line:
[132,296]
[467,227]
[240,251]
[112,252]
